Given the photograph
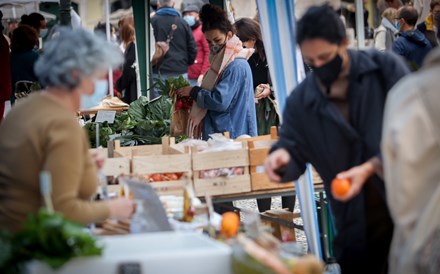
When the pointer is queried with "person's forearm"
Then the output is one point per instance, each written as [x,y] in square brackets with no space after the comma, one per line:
[375,166]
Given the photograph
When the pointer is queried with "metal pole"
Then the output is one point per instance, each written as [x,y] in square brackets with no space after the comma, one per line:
[97,135]
[148,52]
[360,30]
[108,31]
[65,18]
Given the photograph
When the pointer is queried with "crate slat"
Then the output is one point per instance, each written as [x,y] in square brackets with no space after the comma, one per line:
[161,164]
[116,166]
[220,159]
[222,185]
[260,181]
[169,188]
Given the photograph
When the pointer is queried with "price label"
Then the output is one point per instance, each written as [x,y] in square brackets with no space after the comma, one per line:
[129,268]
[105,116]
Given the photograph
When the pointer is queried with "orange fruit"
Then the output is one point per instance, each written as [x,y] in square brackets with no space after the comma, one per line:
[340,187]
[230,224]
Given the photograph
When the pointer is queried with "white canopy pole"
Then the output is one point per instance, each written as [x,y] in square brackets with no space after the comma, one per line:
[108,32]
[278,26]
[360,30]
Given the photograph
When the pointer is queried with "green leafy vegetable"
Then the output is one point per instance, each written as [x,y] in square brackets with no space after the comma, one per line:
[171,85]
[46,237]
[145,122]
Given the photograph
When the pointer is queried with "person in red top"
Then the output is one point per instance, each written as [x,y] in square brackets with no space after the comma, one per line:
[5,71]
[201,63]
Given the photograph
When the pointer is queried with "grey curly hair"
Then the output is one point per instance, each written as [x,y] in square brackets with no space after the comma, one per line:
[72,54]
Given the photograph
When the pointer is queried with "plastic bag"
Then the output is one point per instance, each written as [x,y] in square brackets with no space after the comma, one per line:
[153,217]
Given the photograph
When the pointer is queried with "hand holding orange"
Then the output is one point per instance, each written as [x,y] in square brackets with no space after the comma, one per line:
[340,187]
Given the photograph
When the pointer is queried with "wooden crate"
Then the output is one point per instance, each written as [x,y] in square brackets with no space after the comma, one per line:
[259,148]
[280,231]
[132,151]
[221,159]
[112,166]
[164,163]
[116,166]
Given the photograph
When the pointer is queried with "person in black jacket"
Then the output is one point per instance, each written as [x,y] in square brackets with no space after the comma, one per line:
[333,120]
[411,43]
[127,82]
[169,27]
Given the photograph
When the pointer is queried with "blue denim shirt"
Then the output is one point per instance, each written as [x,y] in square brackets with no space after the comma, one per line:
[230,104]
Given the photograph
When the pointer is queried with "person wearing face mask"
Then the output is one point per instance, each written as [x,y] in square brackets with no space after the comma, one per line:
[23,57]
[225,99]
[36,21]
[429,26]
[411,44]
[201,63]
[170,29]
[385,34]
[42,133]
[333,120]
[248,30]
[224,102]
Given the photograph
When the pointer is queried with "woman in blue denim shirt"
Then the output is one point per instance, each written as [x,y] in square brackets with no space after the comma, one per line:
[229,104]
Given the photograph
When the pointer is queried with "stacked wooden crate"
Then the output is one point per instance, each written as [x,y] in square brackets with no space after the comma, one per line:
[204,161]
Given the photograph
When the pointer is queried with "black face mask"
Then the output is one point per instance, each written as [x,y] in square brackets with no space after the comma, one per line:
[328,73]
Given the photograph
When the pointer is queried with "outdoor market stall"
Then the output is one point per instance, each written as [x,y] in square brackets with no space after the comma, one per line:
[138,124]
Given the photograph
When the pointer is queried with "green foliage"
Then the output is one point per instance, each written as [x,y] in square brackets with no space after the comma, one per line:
[171,85]
[46,237]
[145,122]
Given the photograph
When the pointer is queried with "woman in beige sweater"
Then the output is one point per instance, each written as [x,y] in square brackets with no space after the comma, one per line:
[42,133]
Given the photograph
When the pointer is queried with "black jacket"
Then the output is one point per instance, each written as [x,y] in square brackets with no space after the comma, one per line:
[429,34]
[183,49]
[127,82]
[314,131]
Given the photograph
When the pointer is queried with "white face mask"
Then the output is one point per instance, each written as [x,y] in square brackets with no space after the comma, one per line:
[43,33]
[90,101]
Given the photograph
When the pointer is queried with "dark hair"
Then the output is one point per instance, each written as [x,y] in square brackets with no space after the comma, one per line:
[24,38]
[34,20]
[247,29]
[321,22]
[409,14]
[102,28]
[434,3]
[213,17]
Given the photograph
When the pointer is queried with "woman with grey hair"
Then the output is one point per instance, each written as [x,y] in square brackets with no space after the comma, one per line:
[41,133]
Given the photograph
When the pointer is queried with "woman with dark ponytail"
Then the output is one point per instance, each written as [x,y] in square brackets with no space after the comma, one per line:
[249,32]
[225,100]
[36,21]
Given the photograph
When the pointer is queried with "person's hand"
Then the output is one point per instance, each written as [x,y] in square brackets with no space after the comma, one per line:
[266,91]
[121,208]
[99,161]
[357,176]
[184,92]
[199,80]
[274,162]
[351,8]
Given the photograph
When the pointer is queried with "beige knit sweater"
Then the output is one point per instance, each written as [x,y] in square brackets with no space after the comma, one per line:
[39,134]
